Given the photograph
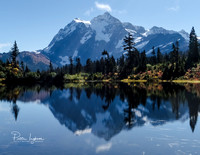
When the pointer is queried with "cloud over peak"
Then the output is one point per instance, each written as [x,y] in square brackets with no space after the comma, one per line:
[104,7]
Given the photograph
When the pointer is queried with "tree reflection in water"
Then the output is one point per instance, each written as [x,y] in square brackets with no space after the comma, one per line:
[154,97]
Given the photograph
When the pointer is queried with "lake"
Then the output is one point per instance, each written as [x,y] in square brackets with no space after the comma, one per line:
[100,118]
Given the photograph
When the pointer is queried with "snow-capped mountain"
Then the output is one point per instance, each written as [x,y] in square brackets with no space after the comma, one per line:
[87,39]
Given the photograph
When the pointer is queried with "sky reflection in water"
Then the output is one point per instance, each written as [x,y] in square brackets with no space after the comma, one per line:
[101,118]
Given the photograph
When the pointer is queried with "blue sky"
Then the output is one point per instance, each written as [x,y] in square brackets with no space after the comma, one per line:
[33,23]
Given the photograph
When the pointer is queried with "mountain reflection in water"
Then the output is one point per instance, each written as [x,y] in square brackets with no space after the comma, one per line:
[106,109]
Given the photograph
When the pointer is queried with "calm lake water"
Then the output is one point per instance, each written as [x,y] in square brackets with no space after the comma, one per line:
[98,118]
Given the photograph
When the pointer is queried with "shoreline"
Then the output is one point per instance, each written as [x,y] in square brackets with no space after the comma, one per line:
[123,81]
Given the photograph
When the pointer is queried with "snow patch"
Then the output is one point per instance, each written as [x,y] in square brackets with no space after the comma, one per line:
[36,52]
[137,113]
[131,31]
[64,60]
[48,48]
[170,43]
[119,44]
[142,108]
[141,45]
[100,125]
[81,132]
[86,37]
[75,54]
[184,34]
[146,33]
[65,94]
[99,27]
[138,39]
[86,115]
[87,23]
[121,107]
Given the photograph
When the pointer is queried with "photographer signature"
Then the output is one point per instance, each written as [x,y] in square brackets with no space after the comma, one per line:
[17,137]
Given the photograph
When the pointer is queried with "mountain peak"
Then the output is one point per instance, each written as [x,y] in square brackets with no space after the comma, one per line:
[107,17]
[160,30]
[107,14]
[87,39]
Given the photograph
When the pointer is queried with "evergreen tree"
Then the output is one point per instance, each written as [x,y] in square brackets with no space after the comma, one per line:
[143,62]
[27,69]
[132,55]
[129,43]
[121,63]
[22,66]
[107,61]
[112,65]
[50,67]
[177,53]
[102,65]
[105,53]
[97,66]
[166,58]
[159,56]
[14,54]
[193,55]
[71,66]
[78,65]
[153,57]
[38,72]
[172,54]
[7,62]
[88,66]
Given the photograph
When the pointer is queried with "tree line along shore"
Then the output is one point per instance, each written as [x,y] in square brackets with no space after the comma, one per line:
[132,66]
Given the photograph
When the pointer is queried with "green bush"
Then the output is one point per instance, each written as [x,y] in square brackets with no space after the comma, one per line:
[2,74]
[75,77]
[32,75]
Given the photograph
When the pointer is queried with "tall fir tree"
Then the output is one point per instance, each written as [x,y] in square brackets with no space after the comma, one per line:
[153,57]
[22,66]
[88,66]
[143,62]
[112,65]
[71,65]
[78,65]
[105,53]
[98,66]
[26,69]
[50,67]
[107,61]
[159,56]
[102,65]
[174,54]
[121,63]
[132,59]
[193,55]
[14,53]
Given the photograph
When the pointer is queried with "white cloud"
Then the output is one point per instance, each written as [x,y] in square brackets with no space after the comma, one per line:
[104,7]
[105,147]
[4,46]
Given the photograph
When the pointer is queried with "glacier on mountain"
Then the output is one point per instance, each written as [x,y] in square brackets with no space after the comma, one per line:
[87,39]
